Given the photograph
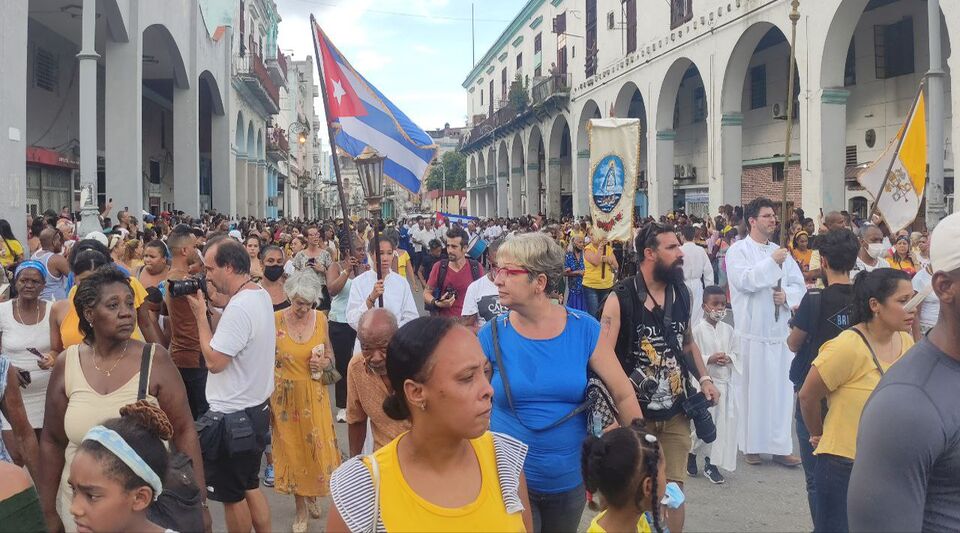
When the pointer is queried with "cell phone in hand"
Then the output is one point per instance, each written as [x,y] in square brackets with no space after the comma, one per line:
[24,378]
[36,352]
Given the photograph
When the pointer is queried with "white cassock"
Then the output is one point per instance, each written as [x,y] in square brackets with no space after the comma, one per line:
[697,273]
[721,339]
[767,395]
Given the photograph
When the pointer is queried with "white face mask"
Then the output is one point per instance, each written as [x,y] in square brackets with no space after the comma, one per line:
[875,249]
[717,315]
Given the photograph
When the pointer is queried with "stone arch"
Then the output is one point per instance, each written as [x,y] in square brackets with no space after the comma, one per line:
[517,181]
[488,194]
[503,179]
[167,61]
[251,142]
[216,97]
[581,199]
[731,97]
[630,103]
[535,170]
[239,143]
[559,200]
[260,148]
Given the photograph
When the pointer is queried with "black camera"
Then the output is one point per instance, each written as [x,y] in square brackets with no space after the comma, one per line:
[187,286]
[645,385]
[695,407]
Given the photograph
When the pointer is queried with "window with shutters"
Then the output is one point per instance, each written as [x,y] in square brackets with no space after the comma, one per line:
[46,70]
[852,156]
[631,14]
[503,83]
[850,68]
[893,49]
[681,11]
[519,61]
[758,87]
[776,171]
[699,105]
[590,60]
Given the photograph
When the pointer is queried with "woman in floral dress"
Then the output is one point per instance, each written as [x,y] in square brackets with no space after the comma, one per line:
[573,270]
[305,450]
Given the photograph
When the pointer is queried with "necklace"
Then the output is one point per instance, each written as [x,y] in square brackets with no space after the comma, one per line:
[18,311]
[107,372]
[298,336]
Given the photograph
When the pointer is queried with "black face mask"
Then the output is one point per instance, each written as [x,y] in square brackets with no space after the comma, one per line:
[273,272]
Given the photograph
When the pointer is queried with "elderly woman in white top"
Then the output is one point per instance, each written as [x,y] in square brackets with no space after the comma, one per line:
[25,340]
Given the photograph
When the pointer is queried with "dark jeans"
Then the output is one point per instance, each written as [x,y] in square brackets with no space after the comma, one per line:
[594,298]
[833,478]
[342,337]
[809,464]
[195,381]
[557,513]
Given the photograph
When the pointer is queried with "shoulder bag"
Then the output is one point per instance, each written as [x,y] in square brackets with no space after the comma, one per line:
[873,355]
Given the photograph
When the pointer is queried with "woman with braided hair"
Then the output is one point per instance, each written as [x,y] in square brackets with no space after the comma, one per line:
[92,380]
[625,469]
[118,470]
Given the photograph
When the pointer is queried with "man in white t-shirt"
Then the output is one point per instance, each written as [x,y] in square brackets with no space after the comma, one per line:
[870,256]
[482,301]
[239,351]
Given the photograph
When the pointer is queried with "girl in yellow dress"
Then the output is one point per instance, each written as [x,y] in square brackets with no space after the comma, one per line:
[305,450]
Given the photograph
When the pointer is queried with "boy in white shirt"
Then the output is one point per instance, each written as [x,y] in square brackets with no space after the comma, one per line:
[718,347]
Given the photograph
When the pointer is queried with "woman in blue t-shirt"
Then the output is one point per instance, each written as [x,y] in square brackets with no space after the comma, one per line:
[544,350]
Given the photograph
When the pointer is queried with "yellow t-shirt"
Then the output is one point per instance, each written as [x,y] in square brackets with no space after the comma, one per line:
[848,371]
[591,275]
[9,251]
[70,333]
[642,525]
[402,509]
[403,259]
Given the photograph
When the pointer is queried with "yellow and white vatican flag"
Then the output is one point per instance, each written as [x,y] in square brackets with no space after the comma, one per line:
[614,158]
[896,180]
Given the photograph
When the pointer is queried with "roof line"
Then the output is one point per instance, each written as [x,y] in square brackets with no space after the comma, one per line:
[528,10]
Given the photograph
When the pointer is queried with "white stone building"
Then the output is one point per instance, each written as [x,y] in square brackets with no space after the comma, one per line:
[160,106]
[708,81]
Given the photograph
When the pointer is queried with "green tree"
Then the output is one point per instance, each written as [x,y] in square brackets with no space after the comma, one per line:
[455,165]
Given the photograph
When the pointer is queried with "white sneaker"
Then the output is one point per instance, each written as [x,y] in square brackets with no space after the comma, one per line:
[342,415]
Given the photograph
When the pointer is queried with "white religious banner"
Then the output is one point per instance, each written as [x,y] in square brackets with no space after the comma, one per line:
[614,158]
[897,178]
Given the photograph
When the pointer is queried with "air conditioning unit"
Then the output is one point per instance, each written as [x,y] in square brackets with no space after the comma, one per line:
[690,171]
[779,110]
[611,21]
[678,171]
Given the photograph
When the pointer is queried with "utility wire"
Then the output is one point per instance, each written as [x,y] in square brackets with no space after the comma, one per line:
[401,14]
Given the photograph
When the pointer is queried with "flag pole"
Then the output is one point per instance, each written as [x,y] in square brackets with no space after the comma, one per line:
[331,138]
[791,83]
[902,134]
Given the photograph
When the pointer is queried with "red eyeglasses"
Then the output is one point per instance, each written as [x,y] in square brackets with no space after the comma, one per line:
[510,271]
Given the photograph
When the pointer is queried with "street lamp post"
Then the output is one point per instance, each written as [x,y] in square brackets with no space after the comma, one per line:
[370,167]
[301,130]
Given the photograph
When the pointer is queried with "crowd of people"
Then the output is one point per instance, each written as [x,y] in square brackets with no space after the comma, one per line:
[168,361]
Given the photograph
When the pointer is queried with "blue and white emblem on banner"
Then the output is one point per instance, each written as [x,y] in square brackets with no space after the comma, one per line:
[607,183]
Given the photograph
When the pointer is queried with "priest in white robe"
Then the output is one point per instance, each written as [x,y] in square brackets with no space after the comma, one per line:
[754,267]
[697,272]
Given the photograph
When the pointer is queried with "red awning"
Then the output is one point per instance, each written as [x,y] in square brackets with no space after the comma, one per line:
[50,158]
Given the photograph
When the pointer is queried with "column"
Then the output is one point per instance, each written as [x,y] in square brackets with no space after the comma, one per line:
[471,201]
[533,188]
[253,182]
[581,184]
[13,117]
[240,187]
[554,183]
[123,120]
[186,149]
[824,153]
[493,199]
[503,198]
[728,188]
[661,183]
[262,189]
[516,180]
[223,166]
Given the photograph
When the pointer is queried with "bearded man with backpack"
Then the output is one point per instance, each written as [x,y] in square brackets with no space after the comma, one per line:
[646,319]
[449,279]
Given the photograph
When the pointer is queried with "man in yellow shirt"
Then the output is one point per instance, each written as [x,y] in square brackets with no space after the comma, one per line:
[600,268]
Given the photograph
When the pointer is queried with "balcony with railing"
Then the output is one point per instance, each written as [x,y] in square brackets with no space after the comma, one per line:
[249,69]
[550,87]
[277,67]
[278,147]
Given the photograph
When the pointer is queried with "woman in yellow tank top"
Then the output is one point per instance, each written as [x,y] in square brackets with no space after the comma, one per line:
[448,473]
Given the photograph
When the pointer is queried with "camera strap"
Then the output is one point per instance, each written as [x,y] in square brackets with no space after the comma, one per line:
[666,321]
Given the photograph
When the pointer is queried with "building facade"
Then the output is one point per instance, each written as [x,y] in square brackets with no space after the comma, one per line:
[708,81]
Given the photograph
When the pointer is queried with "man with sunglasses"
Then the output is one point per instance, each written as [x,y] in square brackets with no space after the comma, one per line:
[765,285]
[646,320]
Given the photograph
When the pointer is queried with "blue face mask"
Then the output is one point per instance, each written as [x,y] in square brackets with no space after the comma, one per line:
[673,497]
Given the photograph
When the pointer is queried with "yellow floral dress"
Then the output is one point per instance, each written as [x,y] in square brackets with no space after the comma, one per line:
[305,450]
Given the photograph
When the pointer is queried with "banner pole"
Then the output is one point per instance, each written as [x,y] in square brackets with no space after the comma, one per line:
[791,83]
[896,150]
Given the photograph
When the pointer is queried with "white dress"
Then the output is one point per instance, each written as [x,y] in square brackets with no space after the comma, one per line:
[767,394]
[15,338]
[697,274]
[711,340]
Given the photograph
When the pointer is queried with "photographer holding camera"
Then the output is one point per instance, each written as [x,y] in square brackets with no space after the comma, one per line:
[184,336]
[240,358]
[647,320]
[449,279]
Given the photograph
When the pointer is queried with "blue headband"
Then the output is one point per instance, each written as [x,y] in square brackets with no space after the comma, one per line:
[112,441]
[30,263]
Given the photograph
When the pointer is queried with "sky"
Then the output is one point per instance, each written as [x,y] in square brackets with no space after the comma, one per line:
[416,52]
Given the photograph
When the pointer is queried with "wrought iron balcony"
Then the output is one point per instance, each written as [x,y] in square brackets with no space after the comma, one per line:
[278,147]
[549,87]
[251,72]
[277,67]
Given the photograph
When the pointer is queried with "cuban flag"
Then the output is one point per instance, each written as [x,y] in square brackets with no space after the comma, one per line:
[362,117]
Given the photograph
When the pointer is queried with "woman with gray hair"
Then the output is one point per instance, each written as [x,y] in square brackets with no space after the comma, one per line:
[540,353]
[305,448]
